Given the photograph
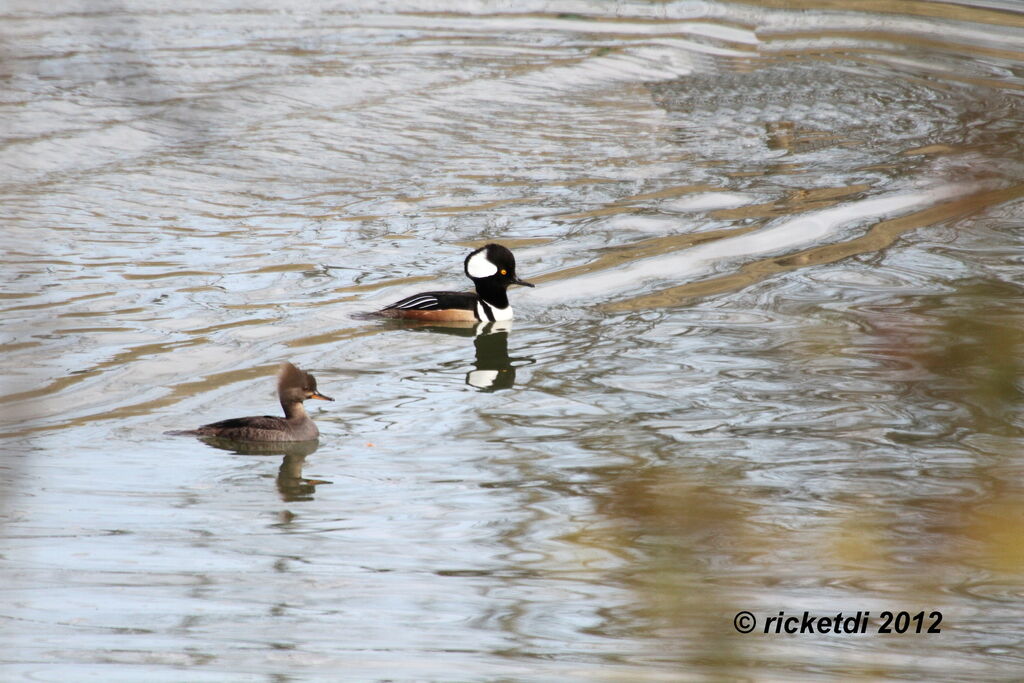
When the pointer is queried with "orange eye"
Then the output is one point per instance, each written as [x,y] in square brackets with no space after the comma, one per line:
[504,272]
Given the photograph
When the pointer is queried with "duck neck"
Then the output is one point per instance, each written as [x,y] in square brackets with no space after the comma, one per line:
[294,411]
[494,294]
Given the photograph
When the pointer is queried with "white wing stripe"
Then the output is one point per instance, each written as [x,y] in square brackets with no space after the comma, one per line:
[418,302]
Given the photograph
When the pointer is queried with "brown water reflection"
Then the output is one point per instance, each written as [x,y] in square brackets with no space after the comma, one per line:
[908,547]
[773,362]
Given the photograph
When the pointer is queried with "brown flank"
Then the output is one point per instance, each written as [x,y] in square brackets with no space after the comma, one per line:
[447,314]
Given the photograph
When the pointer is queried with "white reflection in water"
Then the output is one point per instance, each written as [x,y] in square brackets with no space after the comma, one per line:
[784,235]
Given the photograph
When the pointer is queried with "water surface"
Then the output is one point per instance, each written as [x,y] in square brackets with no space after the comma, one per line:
[773,361]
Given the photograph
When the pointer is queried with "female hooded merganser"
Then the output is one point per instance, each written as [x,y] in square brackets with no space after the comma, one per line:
[293,387]
[492,269]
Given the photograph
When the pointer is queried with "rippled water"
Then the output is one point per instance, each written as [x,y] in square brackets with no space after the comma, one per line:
[773,361]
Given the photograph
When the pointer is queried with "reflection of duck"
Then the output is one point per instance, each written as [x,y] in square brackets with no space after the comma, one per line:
[290,482]
[492,269]
[493,366]
[289,449]
[494,369]
[293,387]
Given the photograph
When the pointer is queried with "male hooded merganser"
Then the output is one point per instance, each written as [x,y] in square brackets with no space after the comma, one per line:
[492,269]
[293,387]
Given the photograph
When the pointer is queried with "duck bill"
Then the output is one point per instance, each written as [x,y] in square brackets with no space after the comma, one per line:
[524,283]
[318,395]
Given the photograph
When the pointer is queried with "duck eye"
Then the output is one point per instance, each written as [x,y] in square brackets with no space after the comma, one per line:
[504,272]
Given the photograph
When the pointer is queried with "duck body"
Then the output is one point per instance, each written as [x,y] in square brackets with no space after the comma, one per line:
[263,428]
[492,268]
[446,306]
[293,387]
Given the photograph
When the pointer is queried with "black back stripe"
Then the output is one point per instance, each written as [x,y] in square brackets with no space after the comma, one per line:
[437,301]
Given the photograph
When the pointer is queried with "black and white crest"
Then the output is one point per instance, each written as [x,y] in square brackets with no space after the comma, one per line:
[490,260]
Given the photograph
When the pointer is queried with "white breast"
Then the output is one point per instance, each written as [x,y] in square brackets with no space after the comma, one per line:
[499,314]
